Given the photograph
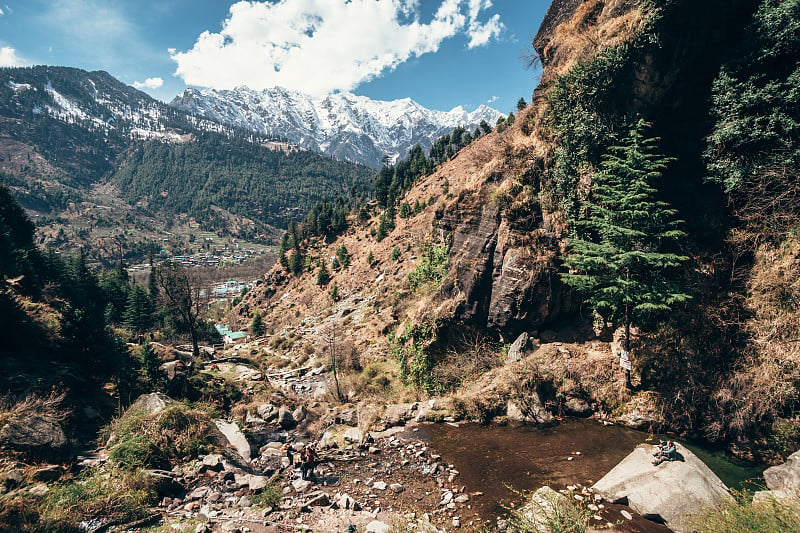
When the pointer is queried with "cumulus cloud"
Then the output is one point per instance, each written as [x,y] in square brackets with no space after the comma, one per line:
[9,58]
[321,46]
[149,83]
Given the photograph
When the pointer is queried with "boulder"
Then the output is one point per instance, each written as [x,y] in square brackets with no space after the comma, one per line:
[353,435]
[267,412]
[285,419]
[529,410]
[151,403]
[34,435]
[377,527]
[579,407]
[784,479]
[235,437]
[672,492]
[518,347]
[48,473]
[12,479]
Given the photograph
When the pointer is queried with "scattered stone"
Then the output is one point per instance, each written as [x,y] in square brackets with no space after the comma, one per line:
[256,483]
[626,515]
[397,488]
[379,485]
[40,489]
[319,499]
[462,498]
[267,412]
[346,502]
[212,461]
[301,485]
[202,528]
[300,414]
[456,522]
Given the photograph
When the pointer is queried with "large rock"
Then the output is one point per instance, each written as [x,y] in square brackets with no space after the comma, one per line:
[529,410]
[151,403]
[518,347]
[544,505]
[783,481]
[34,435]
[285,419]
[235,437]
[673,491]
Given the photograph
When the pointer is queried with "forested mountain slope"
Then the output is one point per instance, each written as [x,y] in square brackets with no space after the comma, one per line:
[72,143]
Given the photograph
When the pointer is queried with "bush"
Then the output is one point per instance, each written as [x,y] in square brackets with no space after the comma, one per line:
[162,439]
[270,496]
[432,267]
[97,496]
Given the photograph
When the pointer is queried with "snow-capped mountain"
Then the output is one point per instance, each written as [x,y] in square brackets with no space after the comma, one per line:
[343,125]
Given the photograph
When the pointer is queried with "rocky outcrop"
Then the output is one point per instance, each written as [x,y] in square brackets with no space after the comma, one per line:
[558,12]
[671,492]
[34,435]
[498,280]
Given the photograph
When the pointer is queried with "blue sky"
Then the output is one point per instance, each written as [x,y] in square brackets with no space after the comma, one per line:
[441,53]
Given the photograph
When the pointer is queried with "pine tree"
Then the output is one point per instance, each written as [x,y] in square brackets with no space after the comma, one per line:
[257,326]
[323,276]
[624,248]
[138,316]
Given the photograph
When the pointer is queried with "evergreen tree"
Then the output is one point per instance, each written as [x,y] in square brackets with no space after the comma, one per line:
[138,316]
[323,276]
[257,326]
[622,253]
[521,104]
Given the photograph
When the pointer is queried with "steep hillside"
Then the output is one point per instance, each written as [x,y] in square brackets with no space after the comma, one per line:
[508,207]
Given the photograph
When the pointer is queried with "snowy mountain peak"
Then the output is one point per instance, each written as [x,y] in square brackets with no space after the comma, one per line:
[343,125]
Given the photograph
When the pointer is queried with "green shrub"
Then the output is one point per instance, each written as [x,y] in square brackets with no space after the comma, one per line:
[269,496]
[411,352]
[432,267]
[110,496]
[162,439]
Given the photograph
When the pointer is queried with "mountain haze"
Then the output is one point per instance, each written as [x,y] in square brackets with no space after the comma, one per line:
[343,125]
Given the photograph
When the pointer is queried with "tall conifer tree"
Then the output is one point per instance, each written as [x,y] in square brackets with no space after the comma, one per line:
[624,247]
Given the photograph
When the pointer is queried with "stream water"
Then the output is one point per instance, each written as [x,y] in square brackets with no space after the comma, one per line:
[496,459]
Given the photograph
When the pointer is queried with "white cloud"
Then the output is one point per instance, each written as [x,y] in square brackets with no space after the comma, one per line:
[321,46]
[1,12]
[9,58]
[492,100]
[149,83]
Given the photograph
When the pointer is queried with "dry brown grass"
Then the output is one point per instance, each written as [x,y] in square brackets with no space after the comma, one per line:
[49,405]
[765,383]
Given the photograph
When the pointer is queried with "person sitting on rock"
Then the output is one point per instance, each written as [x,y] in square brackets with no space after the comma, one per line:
[666,452]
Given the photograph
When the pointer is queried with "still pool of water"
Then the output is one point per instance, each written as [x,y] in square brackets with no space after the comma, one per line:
[496,459]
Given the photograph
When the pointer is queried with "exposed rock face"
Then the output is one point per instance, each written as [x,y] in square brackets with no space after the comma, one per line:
[500,284]
[34,435]
[673,491]
[558,12]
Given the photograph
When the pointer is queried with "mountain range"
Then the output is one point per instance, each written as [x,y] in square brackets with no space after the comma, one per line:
[342,125]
